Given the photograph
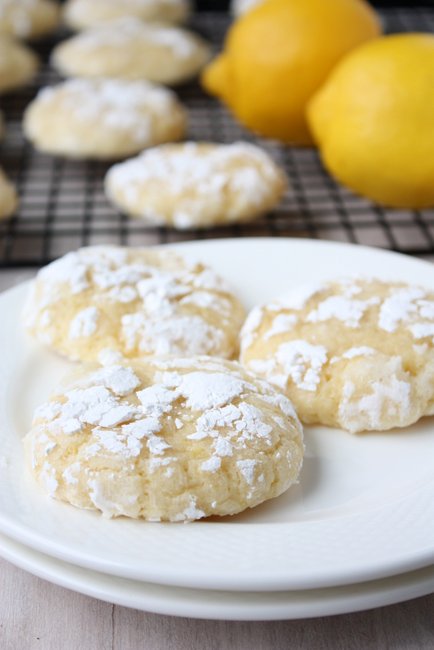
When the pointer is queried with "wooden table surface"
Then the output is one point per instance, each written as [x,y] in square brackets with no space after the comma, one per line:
[35,614]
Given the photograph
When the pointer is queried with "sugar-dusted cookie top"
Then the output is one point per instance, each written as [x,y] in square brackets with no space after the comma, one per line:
[135,301]
[168,439]
[81,14]
[18,64]
[131,49]
[356,353]
[28,18]
[103,118]
[197,185]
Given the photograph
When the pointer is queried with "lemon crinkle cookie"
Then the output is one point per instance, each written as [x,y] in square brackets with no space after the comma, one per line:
[81,14]
[103,118]
[18,64]
[8,196]
[28,18]
[133,301]
[130,49]
[196,185]
[168,439]
[356,354]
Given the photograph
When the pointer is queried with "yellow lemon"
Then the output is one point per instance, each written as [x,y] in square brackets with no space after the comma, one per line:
[373,120]
[278,54]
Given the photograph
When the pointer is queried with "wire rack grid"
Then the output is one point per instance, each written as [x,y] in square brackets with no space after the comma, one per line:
[63,206]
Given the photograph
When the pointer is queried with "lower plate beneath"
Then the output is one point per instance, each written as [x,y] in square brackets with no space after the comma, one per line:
[220,605]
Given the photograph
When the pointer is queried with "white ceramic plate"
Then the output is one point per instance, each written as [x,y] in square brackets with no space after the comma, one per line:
[364,508]
[223,605]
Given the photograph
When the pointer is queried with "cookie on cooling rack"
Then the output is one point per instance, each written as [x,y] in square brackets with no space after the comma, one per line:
[197,185]
[81,14]
[356,354]
[103,118]
[166,440]
[18,64]
[28,18]
[134,301]
[8,197]
[131,49]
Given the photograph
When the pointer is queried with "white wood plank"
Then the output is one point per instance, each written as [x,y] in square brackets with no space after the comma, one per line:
[407,626]
[37,615]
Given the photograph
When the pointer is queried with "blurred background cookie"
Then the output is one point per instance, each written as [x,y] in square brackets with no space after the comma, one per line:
[8,196]
[134,301]
[356,354]
[18,64]
[239,7]
[28,18]
[81,14]
[130,49]
[197,185]
[103,118]
[166,440]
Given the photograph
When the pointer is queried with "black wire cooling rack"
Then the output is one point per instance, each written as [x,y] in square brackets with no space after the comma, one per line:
[62,202]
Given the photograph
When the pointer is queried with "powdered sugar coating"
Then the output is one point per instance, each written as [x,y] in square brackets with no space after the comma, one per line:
[348,310]
[141,441]
[129,48]
[282,323]
[402,306]
[363,350]
[302,362]
[78,306]
[127,28]
[251,324]
[85,323]
[197,184]
[356,353]
[81,14]
[103,118]
[389,397]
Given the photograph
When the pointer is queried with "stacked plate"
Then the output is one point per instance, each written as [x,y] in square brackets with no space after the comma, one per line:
[356,532]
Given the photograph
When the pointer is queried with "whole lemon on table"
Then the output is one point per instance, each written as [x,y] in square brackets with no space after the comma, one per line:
[278,54]
[374,120]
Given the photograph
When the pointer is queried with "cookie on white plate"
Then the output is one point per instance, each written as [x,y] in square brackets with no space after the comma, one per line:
[8,196]
[81,14]
[18,64]
[356,354]
[28,18]
[197,185]
[103,118]
[166,440]
[131,49]
[134,302]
